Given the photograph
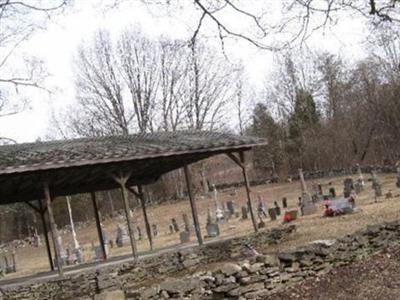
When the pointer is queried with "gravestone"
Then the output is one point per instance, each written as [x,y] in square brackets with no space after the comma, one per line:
[175,225]
[320,191]
[348,187]
[284,202]
[212,229]
[139,231]
[332,192]
[219,215]
[277,208]
[231,207]
[272,214]
[376,185]
[244,213]
[36,240]
[184,237]
[14,261]
[307,205]
[186,222]
[211,226]
[357,187]
[98,252]
[63,253]
[122,236]
[71,259]
[10,268]
[171,229]
[75,256]
[360,177]
[209,216]
[261,209]
[154,229]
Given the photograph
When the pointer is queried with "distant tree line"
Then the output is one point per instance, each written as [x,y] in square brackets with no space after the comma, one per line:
[320,111]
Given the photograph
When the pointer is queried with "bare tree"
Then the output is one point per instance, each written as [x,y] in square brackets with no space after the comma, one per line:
[19,20]
[174,70]
[140,69]
[295,72]
[100,90]
[211,82]
[243,97]
[277,25]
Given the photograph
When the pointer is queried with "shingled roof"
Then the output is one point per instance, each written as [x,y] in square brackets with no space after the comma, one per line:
[82,165]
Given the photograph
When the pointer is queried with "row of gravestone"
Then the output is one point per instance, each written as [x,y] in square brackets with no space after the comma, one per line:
[229,210]
[334,172]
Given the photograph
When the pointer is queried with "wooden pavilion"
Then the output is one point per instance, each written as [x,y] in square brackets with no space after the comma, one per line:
[36,173]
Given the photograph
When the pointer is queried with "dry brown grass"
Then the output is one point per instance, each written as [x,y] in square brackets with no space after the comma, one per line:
[32,260]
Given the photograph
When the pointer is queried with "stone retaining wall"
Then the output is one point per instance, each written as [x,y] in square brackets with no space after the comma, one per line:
[132,275]
[317,174]
[349,171]
[264,275]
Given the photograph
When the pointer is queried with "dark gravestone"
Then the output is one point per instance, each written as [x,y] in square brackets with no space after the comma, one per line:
[175,225]
[231,207]
[184,237]
[320,191]
[348,187]
[212,229]
[277,209]
[14,261]
[332,192]
[139,231]
[244,213]
[284,202]
[272,213]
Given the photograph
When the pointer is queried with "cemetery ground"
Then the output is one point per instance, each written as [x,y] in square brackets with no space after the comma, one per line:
[32,260]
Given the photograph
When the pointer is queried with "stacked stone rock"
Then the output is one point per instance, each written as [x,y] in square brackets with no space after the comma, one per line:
[248,279]
[266,274]
[133,275]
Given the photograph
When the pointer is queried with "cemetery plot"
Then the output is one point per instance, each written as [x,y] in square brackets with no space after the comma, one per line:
[172,224]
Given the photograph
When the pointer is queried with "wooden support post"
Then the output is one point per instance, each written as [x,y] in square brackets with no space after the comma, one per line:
[46,234]
[53,230]
[193,205]
[142,198]
[247,184]
[121,180]
[98,225]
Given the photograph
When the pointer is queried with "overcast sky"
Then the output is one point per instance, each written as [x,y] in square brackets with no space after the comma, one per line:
[58,43]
